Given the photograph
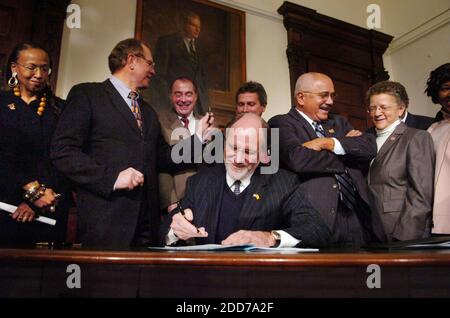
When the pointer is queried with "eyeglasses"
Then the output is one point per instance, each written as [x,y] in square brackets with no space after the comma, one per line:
[383,108]
[322,95]
[150,63]
[34,68]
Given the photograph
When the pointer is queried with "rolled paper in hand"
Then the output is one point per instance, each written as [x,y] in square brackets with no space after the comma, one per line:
[11,209]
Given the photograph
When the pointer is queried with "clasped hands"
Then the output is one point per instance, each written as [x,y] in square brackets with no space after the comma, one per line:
[184,229]
[24,213]
[320,144]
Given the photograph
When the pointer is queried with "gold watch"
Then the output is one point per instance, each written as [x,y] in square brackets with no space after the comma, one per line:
[277,237]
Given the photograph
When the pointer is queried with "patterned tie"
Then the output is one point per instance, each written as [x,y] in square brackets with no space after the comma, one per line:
[347,190]
[319,129]
[134,96]
[185,122]
[237,187]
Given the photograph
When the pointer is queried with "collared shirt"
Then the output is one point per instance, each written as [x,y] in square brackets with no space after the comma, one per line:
[245,182]
[338,149]
[406,115]
[187,42]
[192,123]
[122,88]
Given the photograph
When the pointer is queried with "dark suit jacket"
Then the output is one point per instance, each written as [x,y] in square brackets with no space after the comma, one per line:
[418,121]
[172,60]
[401,181]
[24,157]
[98,137]
[282,206]
[316,169]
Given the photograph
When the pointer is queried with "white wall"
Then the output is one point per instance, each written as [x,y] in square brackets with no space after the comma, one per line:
[84,51]
[422,43]
[420,28]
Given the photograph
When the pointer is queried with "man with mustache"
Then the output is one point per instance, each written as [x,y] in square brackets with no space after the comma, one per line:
[177,124]
[325,151]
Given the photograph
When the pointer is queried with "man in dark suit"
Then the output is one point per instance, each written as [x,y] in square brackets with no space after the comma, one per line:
[109,143]
[326,152]
[179,54]
[416,121]
[236,203]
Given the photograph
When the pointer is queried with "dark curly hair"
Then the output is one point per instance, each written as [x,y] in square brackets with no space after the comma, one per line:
[437,77]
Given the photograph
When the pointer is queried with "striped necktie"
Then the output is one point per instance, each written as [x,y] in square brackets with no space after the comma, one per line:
[347,190]
[319,129]
[185,122]
[134,96]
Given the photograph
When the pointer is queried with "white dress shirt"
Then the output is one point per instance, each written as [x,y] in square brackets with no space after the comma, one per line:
[338,149]
[192,123]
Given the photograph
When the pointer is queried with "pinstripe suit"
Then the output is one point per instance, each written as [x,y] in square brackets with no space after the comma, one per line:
[280,205]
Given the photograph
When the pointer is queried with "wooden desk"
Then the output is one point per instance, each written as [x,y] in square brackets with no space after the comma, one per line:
[42,273]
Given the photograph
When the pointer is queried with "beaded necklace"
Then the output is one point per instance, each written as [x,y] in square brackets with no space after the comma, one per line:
[42,103]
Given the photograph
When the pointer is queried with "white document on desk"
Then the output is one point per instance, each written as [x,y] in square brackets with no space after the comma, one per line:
[244,247]
[204,247]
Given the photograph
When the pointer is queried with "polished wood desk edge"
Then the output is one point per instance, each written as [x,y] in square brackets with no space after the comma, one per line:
[344,259]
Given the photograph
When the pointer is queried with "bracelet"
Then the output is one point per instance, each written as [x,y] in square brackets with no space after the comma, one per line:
[35,193]
[32,186]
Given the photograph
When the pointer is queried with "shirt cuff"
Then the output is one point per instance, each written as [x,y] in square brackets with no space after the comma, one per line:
[287,240]
[171,238]
[338,149]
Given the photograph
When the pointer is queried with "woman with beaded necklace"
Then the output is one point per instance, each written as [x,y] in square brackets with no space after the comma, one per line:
[28,180]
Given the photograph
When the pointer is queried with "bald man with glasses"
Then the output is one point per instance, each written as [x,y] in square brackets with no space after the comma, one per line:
[325,151]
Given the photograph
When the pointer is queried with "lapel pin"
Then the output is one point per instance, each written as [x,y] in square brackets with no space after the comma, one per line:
[331,131]
[392,138]
[12,106]
[256,196]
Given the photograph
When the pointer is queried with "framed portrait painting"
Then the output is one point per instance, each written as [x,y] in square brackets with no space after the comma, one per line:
[198,39]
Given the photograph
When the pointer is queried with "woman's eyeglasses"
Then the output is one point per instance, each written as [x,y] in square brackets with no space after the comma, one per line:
[34,68]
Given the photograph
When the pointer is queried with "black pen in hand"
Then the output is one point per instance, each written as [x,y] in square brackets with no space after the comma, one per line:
[180,208]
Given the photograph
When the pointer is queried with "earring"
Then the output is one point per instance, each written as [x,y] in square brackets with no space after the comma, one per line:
[13,80]
[14,84]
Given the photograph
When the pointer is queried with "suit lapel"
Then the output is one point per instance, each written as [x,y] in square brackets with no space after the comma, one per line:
[118,102]
[329,128]
[252,203]
[389,143]
[214,194]
[303,123]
